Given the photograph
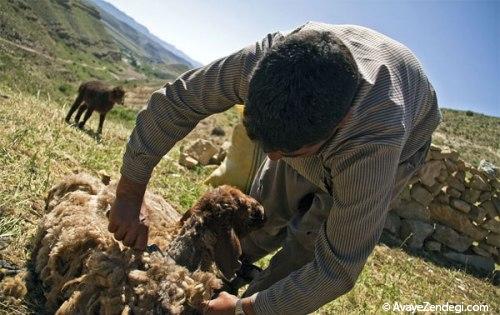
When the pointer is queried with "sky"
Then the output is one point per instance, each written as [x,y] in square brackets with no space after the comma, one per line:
[458,42]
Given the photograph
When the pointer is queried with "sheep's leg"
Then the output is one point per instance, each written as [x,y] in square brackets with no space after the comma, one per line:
[101,122]
[73,108]
[85,118]
[80,112]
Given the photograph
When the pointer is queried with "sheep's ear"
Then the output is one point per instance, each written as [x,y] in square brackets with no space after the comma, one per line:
[227,251]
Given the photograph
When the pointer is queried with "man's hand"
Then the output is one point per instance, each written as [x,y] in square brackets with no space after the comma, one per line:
[225,304]
[128,217]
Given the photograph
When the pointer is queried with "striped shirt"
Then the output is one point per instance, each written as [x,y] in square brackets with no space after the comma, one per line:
[393,115]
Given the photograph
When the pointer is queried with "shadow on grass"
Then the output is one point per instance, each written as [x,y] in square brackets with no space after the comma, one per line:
[437,258]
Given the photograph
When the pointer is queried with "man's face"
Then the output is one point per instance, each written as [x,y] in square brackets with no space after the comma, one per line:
[304,151]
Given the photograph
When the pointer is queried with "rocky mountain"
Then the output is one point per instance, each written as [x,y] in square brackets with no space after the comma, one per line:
[117,20]
[59,43]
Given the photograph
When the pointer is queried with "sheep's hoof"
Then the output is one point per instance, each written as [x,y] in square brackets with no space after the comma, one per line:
[80,126]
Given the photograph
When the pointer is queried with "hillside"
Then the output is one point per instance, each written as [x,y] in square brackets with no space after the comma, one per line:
[117,20]
[53,45]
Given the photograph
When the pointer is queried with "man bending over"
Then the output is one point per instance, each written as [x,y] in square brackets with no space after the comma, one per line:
[345,115]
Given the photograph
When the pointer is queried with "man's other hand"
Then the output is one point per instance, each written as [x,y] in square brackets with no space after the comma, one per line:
[225,304]
[128,215]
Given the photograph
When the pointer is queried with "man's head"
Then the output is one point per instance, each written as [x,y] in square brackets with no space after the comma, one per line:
[299,92]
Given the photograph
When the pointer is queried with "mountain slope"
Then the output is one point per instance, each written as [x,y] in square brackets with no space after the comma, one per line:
[50,46]
[110,13]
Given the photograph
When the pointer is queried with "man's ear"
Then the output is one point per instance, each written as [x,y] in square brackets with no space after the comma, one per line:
[227,252]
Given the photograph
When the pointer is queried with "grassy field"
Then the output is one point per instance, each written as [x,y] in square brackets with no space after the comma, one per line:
[37,149]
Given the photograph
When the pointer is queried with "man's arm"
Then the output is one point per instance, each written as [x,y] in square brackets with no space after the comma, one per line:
[172,112]
[363,180]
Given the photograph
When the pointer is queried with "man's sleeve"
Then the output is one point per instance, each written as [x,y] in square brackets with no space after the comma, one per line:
[362,186]
[173,111]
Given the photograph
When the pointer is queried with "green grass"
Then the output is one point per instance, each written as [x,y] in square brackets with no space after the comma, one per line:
[476,137]
[37,149]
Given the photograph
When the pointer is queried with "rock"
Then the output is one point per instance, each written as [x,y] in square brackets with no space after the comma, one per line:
[221,155]
[480,251]
[443,175]
[432,246]
[187,161]
[452,192]
[448,153]
[445,153]
[414,232]
[480,263]
[451,166]
[451,238]
[435,189]
[456,183]
[413,210]
[477,214]
[492,224]
[446,215]
[429,171]
[471,195]
[490,209]
[443,198]
[218,131]
[492,250]
[485,196]
[493,239]
[392,223]
[201,151]
[405,193]
[477,182]
[460,205]
[420,194]
[496,203]
[488,168]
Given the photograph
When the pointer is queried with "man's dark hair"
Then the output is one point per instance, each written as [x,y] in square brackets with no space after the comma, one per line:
[299,91]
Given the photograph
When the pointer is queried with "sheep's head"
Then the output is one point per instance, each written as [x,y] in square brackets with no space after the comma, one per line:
[229,215]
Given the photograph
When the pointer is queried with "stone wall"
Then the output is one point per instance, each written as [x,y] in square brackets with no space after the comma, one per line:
[452,208]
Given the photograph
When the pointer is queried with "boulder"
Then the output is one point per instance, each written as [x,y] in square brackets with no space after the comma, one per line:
[490,208]
[493,239]
[446,215]
[451,238]
[488,168]
[187,161]
[415,232]
[456,183]
[492,225]
[477,214]
[392,223]
[201,150]
[429,171]
[452,192]
[432,246]
[485,196]
[460,205]
[492,250]
[477,182]
[413,210]
[420,194]
[471,195]
[480,251]
[484,264]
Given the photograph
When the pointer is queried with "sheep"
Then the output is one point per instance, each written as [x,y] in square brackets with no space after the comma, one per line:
[83,269]
[95,95]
